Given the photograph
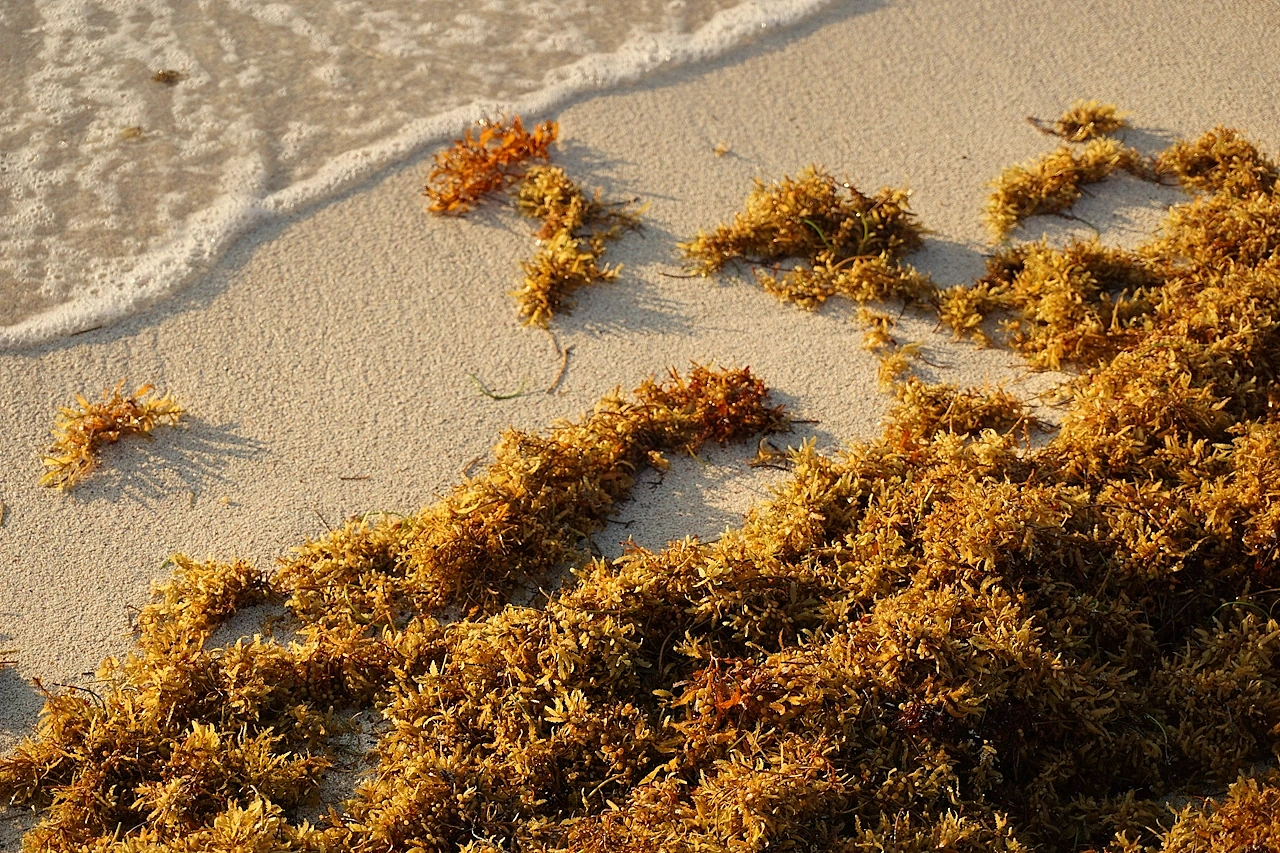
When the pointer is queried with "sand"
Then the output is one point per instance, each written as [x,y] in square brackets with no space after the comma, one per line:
[327,361]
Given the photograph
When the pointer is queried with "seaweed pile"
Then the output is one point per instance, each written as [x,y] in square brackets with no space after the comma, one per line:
[79,433]
[850,243]
[942,639]
[575,229]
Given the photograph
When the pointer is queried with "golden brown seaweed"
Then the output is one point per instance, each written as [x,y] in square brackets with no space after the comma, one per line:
[809,217]
[940,639]
[1219,161]
[79,432]
[851,242]
[1051,184]
[1084,120]
[575,230]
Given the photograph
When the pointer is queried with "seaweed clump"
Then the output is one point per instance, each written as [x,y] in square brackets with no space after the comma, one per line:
[193,746]
[851,243]
[1052,183]
[1075,304]
[80,432]
[476,166]
[575,230]
[1083,303]
[1220,161]
[1244,820]
[1084,120]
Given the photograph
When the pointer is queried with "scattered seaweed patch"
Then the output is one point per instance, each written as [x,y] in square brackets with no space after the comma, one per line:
[575,229]
[940,639]
[476,166]
[572,240]
[1219,161]
[1083,120]
[1052,183]
[523,518]
[167,77]
[79,433]
[851,242]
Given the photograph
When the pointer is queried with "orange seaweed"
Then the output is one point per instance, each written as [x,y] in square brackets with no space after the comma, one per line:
[478,165]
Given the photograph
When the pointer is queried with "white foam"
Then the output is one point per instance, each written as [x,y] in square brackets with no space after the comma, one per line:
[275,111]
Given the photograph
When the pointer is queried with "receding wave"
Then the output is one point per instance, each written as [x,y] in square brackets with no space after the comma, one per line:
[138,140]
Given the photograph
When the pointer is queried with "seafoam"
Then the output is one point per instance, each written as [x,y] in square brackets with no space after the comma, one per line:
[119,184]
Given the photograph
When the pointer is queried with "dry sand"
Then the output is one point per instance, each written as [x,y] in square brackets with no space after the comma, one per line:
[326,361]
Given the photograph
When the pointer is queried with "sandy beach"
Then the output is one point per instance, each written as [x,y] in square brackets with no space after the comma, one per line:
[330,363]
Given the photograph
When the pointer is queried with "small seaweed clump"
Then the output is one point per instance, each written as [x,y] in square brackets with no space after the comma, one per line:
[575,230]
[1083,303]
[79,433]
[476,166]
[1084,120]
[1052,183]
[851,242]
[1220,161]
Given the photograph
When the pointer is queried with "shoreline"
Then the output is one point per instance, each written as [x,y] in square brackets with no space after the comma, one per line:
[337,345]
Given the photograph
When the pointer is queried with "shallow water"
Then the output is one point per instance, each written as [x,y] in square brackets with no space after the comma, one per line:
[118,183]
